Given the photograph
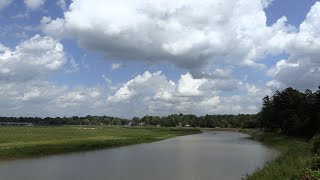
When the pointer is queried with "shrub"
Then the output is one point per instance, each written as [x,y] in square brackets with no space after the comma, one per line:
[316,144]
[312,172]
[315,163]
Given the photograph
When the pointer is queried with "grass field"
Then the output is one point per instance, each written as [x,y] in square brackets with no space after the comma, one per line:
[295,154]
[20,142]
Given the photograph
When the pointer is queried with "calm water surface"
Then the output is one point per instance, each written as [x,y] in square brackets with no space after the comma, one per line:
[207,156]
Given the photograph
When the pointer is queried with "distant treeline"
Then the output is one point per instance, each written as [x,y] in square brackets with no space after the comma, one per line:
[291,112]
[75,120]
[209,121]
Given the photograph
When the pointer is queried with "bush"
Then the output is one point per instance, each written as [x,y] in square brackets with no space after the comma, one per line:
[312,172]
[315,163]
[316,144]
[307,174]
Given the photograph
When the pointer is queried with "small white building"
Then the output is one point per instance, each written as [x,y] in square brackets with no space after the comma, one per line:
[142,124]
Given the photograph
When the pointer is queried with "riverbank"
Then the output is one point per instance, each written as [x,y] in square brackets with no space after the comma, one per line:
[294,155]
[22,142]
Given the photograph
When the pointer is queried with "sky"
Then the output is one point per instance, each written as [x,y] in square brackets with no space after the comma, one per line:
[140,57]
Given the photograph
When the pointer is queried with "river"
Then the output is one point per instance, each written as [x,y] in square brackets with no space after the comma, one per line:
[206,156]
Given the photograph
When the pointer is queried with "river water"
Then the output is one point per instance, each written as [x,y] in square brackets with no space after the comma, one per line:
[206,156]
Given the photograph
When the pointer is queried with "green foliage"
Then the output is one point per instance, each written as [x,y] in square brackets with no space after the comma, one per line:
[292,112]
[294,155]
[208,121]
[311,172]
[307,174]
[75,120]
[315,162]
[316,144]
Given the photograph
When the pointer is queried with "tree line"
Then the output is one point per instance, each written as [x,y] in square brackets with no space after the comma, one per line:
[291,112]
[207,121]
[75,120]
[174,120]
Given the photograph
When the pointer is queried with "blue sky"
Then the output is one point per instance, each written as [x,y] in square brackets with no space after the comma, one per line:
[225,59]
[93,64]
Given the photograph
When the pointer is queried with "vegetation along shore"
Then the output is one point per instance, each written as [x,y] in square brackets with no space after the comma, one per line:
[20,142]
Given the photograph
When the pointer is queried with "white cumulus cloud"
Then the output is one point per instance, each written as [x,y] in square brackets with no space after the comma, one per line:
[208,38]
[154,94]
[302,68]
[189,34]
[187,86]
[31,59]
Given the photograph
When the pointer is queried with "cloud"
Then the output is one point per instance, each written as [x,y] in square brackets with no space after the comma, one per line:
[16,31]
[209,39]
[3,48]
[106,79]
[275,85]
[20,15]
[33,4]
[73,66]
[140,86]
[302,68]
[25,90]
[154,94]
[31,59]
[4,3]
[43,98]
[77,98]
[198,37]
[62,4]
[187,34]
[54,28]
[187,86]
[115,66]
[149,93]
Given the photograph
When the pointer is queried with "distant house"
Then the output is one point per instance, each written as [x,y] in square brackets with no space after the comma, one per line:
[15,124]
[142,124]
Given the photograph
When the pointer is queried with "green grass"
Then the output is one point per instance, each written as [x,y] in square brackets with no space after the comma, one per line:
[294,156]
[20,142]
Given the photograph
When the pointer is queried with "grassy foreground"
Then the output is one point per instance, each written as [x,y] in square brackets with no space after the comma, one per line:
[20,142]
[295,154]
